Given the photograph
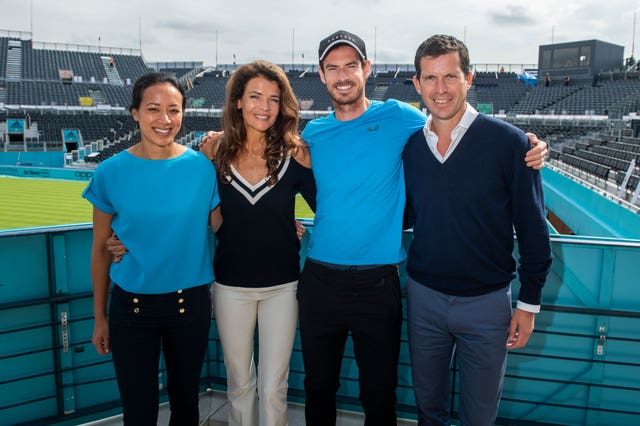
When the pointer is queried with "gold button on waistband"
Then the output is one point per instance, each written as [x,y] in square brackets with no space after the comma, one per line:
[181,310]
[181,300]
[135,300]
[136,310]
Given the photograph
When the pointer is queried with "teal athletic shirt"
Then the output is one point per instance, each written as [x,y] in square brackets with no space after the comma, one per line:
[161,214]
[358,170]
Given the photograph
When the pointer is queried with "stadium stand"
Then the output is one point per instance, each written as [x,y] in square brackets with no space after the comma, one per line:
[616,153]
[54,87]
[13,68]
[3,56]
[633,182]
[42,64]
[500,90]
[177,72]
[92,127]
[595,169]
[541,98]
[310,89]
[130,66]
[602,99]
[209,88]
[397,86]
[39,83]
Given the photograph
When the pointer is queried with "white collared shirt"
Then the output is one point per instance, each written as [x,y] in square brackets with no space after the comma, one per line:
[457,134]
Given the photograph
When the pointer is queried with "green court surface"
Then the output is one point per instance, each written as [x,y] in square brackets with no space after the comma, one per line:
[26,203]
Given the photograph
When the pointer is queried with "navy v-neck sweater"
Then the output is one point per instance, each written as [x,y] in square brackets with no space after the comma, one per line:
[257,242]
[465,211]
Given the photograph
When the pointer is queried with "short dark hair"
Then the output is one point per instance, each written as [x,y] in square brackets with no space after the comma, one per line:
[440,44]
[149,79]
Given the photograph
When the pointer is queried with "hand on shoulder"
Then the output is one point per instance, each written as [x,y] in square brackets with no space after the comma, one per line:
[535,156]
[302,155]
[209,144]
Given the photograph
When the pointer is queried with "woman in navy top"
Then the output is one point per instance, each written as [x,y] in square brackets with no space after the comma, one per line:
[262,164]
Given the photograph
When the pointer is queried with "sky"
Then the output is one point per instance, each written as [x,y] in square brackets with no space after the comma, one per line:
[213,31]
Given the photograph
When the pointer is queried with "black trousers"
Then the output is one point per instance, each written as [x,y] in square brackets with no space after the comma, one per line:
[141,325]
[367,304]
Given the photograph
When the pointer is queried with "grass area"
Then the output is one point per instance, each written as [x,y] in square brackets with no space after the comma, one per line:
[303,211]
[26,203]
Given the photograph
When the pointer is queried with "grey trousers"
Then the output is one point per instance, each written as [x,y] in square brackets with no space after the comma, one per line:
[475,327]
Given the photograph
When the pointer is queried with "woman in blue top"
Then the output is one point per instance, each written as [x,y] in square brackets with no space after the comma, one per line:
[159,198]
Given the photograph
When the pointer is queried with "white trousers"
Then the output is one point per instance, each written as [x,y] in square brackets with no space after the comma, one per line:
[276,311]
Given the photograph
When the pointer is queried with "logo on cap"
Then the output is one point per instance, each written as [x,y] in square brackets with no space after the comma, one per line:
[340,38]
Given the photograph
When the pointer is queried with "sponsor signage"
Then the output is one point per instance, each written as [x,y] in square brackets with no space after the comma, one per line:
[46,173]
[485,108]
[70,135]
[15,126]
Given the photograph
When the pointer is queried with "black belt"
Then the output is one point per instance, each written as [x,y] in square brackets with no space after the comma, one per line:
[338,267]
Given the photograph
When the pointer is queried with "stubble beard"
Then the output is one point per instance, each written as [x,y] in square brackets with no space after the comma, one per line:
[342,101]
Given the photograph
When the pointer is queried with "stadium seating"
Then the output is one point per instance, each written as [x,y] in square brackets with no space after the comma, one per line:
[39,84]
[612,162]
[632,184]
[560,133]
[603,157]
[310,88]
[500,90]
[605,98]
[211,89]
[177,72]
[130,67]
[616,153]
[32,85]
[541,98]
[593,168]
[3,56]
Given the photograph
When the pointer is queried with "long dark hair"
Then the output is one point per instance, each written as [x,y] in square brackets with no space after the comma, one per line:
[281,139]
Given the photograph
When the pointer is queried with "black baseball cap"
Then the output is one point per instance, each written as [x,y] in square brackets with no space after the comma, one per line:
[339,38]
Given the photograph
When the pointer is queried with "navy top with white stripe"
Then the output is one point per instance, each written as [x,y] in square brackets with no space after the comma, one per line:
[257,242]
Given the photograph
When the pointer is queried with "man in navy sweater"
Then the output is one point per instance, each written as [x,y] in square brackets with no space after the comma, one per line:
[468,189]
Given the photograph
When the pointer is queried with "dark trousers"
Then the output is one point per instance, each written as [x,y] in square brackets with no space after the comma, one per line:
[140,326]
[367,304]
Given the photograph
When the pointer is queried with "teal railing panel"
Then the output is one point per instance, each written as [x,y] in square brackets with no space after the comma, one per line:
[46,301]
[27,364]
[585,211]
[580,367]
[24,266]
[76,273]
